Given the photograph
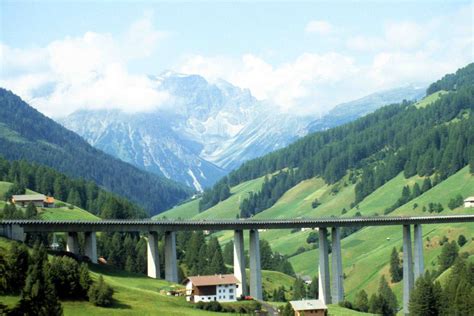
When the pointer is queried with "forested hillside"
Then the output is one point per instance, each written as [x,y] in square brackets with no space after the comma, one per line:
[78,192]
[28,135]
[437,139]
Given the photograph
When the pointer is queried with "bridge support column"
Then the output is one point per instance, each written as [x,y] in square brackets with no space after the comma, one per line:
[14,232]
[239,262]
[407,268]
[418,252]
[171,264]
[72,243]
[255,271]
[337,276]
[324,278]
[91,246]
[153,259]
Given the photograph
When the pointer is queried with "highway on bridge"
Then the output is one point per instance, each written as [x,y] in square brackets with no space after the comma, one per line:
[233,224]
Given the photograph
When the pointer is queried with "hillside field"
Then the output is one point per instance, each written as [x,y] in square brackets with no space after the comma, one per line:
[369,247]
[66,212]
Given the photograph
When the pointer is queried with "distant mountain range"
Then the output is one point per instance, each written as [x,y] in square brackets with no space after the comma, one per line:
[27,134]
[208,129]
[350,111]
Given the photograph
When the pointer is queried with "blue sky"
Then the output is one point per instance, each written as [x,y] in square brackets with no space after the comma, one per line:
[304,56]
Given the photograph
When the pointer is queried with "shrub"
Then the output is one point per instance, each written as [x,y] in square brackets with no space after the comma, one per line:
[462,240]
[100,293]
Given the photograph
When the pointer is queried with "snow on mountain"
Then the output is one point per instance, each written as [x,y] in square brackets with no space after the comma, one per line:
[208,129]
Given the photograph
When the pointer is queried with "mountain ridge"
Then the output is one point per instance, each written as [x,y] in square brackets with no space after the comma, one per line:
[206,130]
[27,134]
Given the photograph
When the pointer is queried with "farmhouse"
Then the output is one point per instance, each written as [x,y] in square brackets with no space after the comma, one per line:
[309,307]
[469,202]
[207,288]
[39,200]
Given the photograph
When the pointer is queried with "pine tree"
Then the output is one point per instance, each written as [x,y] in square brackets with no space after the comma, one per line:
[313,291]
[426,185]
[217,265]
[299,289]
[426,298]
[288,310]
[38,296]
[228,253]
[85,280]
[101,294]
[416,190]
[266,255]
[396,271]
[449,253]
[388,298]
[192,251]
[129,264]
[17,262]
[31,211]
[361,302]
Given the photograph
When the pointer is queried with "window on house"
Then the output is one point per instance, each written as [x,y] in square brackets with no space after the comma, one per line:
[231,290]
[231,297]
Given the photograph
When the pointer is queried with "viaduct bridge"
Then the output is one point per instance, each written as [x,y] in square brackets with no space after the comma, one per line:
[413,264]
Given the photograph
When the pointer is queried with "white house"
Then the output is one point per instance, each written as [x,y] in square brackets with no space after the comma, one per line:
[208,288]
[469,202]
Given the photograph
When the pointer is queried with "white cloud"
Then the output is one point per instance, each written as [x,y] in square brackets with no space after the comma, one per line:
[86,72]
[405,52]
[291,86]
[401,35]
[91,71]
[319,26]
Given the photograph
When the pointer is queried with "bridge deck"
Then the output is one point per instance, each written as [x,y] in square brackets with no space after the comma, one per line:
[234,224]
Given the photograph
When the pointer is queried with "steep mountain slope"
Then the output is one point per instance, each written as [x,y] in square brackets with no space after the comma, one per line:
[208,129]
[203,131]
[350,111]
[27,134]
[148,142]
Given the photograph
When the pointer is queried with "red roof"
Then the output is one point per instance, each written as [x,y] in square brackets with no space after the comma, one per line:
[213,279]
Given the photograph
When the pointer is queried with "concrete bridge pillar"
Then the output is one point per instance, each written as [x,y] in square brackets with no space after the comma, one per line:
[72,243]
[239,262]
[153,260]
[324,278]
[171,264]
[418,252]
[255,271]
[407,268]
[14,232]
[337,275]
[91,246]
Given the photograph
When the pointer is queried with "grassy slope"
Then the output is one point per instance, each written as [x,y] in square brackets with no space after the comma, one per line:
[185,211]
[430,99]
[135,294]
[225,209]
[371,246]
[230,207]
[58,213]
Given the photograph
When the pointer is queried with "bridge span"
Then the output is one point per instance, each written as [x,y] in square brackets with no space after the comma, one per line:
[331,289]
